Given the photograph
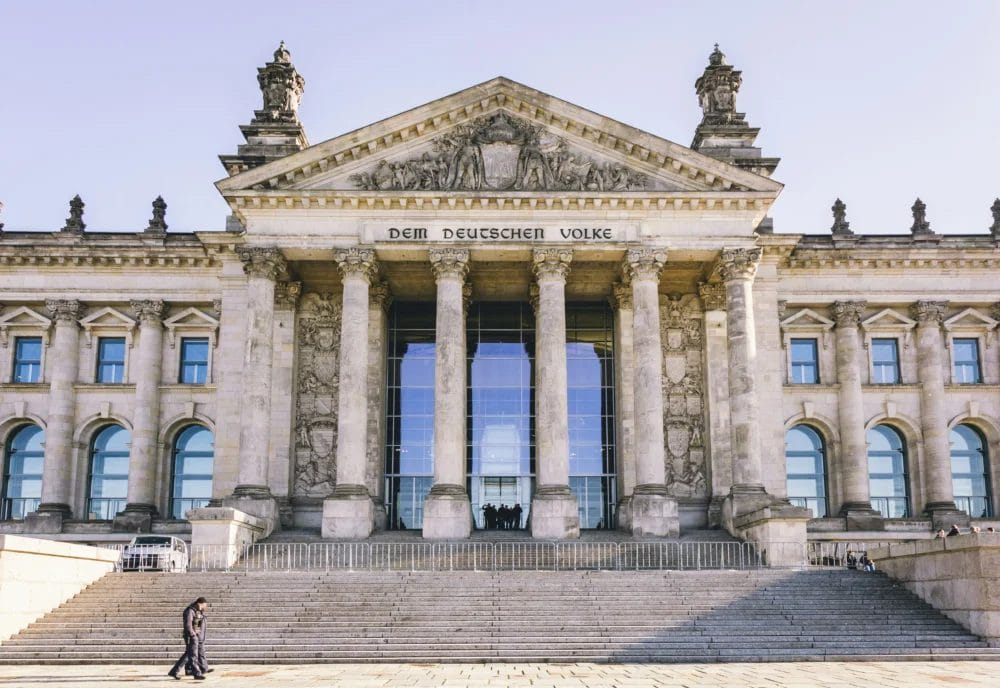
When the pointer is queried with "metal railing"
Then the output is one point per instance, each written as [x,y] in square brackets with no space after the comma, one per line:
[18,507]
[104,508]
[834,552]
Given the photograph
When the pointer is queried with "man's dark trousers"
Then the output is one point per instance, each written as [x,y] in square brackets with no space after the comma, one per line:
[192,650]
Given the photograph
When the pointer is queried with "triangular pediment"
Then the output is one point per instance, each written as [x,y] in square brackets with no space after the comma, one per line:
[24,317]
[107,317]
[970,318]
[191,317]
[806,319]
[888,318]
[498,137]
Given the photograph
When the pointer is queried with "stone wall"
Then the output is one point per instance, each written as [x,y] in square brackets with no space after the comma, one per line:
[36,576]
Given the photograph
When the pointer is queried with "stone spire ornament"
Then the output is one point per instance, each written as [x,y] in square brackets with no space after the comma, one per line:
[920,223]
[717,88]
[994,228]
[840,226]
[282,87]
[75,223]
[158,223]
[1,210]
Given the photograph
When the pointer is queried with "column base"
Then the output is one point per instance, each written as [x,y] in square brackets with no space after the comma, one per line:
[257,501]
[944,515]
[48,518]
[654,512]
[447,513]
[623,514]
[861,516]
[741,500]
[136,518]
[554,514]
[348,514]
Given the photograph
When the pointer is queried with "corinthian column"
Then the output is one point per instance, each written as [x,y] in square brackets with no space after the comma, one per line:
[653,511]
[856,505]
[57,470]
[621,301]
[939,493]
[737,268]
[553,507]
[349,512]
[263,266]
[447,511]
[143,457]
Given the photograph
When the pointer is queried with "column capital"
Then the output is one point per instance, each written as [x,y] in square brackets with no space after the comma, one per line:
[551,262]
[149,311]
[644,263]
[848,313]
[713,296]
[929,311]
[621,296]
[63,309]
[357,261]
[286,294]
[738,263]
[380,295]
[262,261]
[449,262]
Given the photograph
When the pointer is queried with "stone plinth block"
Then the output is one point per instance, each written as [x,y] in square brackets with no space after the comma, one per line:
[654,515]
[46,520]
[219,534]
[447,516]
[861,517]
[779,531]
[136,518]
[554,515]
[261,505]
[348,517]
[624,514]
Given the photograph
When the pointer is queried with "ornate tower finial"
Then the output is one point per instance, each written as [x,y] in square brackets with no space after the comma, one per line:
[840,224]
[717,88]
[717,57]
[994,228]
[158,223]
[282,87]
[920,223]
[74,223]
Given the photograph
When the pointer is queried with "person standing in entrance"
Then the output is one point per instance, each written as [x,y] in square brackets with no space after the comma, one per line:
[194,651]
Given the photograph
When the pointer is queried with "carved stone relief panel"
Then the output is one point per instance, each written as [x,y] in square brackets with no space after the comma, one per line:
[317,382]
[681,325]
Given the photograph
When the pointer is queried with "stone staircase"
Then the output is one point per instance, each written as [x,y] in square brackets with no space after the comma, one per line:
[505,616]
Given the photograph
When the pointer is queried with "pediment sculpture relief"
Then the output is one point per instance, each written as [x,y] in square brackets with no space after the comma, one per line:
[500,153]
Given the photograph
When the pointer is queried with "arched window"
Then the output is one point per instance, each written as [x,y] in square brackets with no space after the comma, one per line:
[194,454]
[970,472]
[805,466]
[887,479]
[108,472]
[22,473]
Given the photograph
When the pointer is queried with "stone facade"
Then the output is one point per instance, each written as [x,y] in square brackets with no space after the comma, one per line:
[497,193]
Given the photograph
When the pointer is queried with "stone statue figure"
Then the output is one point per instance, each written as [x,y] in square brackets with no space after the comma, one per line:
[920,223]
[467,171]
[532,172]
[717,89]
[840,223]
[994,228]
[281,85]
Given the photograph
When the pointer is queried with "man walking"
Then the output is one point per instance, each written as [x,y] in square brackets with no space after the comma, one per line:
[194,636]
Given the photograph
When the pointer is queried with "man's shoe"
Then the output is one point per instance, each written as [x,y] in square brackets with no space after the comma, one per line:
[199,677]
[173,675]
[208,671]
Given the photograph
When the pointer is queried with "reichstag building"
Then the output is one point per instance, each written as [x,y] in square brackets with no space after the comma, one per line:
[498,302]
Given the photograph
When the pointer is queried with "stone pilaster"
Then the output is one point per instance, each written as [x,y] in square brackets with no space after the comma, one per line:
[57,470]
[447,510]
[938,492]
[856,505]
[349,512]
[282,461]
[653,511]
[553,507]
[737,267]
[263,266]
[621,302]
[720,458]
[145,452]
[380,298]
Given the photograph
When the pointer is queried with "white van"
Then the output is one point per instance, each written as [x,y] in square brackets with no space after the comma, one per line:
[155,553]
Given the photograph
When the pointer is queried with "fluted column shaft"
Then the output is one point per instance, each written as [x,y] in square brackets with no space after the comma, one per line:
[146,419]
[850,407]
[940,495]
[644,267]
[737,268]
[450,267]
[63,363]
[357,269]
[263,266]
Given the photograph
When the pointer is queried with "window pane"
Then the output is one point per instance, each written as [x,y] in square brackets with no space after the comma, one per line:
[970,480]
[192,470]
[805,361]
[887,471]
[194,361]
[22,476]
[111,360]
[806,469]
[27,359]
[885,361]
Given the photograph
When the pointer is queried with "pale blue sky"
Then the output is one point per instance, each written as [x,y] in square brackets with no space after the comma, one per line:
[875,102]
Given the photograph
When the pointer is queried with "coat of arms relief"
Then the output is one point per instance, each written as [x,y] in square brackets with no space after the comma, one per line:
[500,152]
[317,383]
[683,412]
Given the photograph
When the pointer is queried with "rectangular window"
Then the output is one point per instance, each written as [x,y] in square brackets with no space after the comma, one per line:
[966,353]
[111,360]
[194,361]
[805,362]
[885,361]
[28,359]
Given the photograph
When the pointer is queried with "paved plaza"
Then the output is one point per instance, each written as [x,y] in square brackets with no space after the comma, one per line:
[769,675]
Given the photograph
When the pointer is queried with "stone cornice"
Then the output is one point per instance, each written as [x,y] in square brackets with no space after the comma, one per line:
[449,262]
[938,259]
[114,260]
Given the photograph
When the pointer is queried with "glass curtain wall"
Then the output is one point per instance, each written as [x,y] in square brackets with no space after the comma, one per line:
[590,375]
[409,442]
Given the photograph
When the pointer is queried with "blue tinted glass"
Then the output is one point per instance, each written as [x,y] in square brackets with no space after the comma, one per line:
[27,359]
[22,477]
[193,462]
[111,360]
[803,350]
[194,361]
